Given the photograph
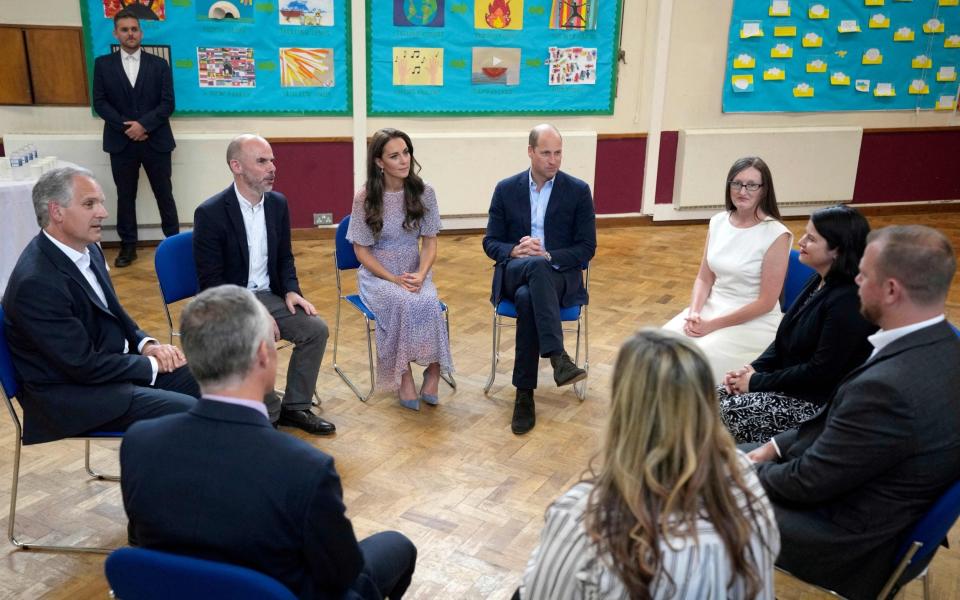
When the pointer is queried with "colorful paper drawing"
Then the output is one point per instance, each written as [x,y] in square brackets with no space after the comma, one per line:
[579,15]
[146,10]
[225,10]
[306,67]
[495,66]
[573,66]
[418,13]
[306,12]
[498,14]
[417,66]
[226,67]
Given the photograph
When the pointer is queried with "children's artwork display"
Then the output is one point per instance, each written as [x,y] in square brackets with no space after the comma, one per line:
[248,57]
[492,57]
[842,55]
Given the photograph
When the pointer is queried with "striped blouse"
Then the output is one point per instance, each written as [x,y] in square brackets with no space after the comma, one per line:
[566,566]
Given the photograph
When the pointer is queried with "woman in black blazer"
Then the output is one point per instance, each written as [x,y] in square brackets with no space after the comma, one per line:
[821,338]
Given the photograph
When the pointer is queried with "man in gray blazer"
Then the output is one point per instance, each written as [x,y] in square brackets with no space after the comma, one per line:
[848,484]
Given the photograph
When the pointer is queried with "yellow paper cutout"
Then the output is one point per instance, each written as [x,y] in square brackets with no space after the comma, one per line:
[848,26]
[779,8]
[945,103]
[918,88]
[839,78]
[812,40]
[785,31]
[952,41]
[781,51]
[879,21]
[949,2]
[816,66]
[921,62]
[933,26]
[751,29]
[862,85]
[947,73]
[803,90]
[818,11]
[884,90]
[873,2]
[904,34]
[872,57]
[774,74]
[742,82]
[744,61]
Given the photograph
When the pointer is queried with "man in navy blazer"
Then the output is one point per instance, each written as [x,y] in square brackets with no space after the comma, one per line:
[242,236]
[81,361]
[216,482]
[541,232]
[848,484]
[133,94]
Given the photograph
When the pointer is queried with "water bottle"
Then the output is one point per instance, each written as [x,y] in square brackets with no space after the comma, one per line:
[16,165]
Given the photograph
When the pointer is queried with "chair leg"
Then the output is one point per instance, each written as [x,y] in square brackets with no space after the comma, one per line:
[448,377]
[494,354]
[926,583]
[90,471]
[362,396]
[580,389]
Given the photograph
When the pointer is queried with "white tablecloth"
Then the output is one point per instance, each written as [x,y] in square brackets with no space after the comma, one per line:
[18,224]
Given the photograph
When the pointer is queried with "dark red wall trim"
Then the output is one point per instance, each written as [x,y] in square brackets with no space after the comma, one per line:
[908,166]
[667,166]
[618,179]
[315,177]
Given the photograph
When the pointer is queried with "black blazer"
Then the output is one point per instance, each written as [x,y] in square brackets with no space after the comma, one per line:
[220,243]
[875,458]
[150,102]
[219,483]
[67,346]
[818,342]
[569,226]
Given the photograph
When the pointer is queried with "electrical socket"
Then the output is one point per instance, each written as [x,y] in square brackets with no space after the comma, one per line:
[322,219]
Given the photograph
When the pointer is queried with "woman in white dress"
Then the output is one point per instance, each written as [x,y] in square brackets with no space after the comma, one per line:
[734,310]
[675,510]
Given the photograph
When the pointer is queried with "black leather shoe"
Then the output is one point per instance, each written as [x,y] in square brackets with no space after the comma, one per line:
[128,254]
[524,412]
[565,371]
[307,421]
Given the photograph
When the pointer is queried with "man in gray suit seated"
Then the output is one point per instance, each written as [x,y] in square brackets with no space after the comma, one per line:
[850,483]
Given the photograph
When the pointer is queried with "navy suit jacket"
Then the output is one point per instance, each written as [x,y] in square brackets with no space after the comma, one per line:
[219,483]
[220,243]
[67,346]
[150,102]
[875,458]
[569,227]
[818,342]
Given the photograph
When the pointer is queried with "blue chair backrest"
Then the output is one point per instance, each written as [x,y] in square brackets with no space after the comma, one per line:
[955,329]
[346,257]
[934,525]
[176,271]
[798,274]
[7,375]
[140,574]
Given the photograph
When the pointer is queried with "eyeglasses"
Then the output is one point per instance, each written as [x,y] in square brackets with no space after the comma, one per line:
[736,186]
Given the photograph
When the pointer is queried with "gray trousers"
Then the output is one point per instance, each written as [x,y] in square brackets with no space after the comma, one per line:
[309,337]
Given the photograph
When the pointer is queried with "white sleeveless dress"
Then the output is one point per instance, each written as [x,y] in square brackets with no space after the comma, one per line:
[735,255]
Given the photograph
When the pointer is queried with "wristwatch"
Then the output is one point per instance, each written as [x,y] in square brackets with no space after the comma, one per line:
[547,254]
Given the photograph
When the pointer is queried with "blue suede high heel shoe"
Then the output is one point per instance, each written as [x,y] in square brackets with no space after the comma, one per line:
[430,399]
[413,404]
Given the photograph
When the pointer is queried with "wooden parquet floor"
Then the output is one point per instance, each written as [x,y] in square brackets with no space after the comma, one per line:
[469,493]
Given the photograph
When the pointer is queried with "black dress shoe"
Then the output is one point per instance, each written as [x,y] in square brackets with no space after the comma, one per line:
[307,421]
[524,412]
[128,254]
[565,371]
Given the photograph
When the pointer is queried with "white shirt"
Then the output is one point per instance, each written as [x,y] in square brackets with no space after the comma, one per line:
[256,405]
[131,65]
[539,200]
[255,224]
[82,261]
[884,338]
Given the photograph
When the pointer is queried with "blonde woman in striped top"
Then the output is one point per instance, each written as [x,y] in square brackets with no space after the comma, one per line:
[675,510]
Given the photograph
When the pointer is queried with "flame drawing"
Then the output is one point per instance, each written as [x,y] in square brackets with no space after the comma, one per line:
[498,14]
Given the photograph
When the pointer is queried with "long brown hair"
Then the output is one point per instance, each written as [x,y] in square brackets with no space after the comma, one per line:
[667,460]
[412,186]
[768,204]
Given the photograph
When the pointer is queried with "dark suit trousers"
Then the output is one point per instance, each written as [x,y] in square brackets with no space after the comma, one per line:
[535,288]
[174,392]
[126,173]
[389,559]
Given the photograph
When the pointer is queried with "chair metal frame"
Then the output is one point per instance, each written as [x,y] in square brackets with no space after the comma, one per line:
[153,574]
[501,311]
[8,391]
[345,259]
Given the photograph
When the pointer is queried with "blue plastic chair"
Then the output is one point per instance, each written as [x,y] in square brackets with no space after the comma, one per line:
[8,390]
[176,272]
[141,574]
[345,259]
[578,314]
[798,274]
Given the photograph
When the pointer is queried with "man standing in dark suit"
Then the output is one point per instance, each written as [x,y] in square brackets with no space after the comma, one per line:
[848,484]
[133,94]
[81,361]
[216,482]
[242,236]
[541,232]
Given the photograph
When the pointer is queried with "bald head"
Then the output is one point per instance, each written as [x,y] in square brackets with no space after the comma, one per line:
[237,144]
[251,161]
[539,130]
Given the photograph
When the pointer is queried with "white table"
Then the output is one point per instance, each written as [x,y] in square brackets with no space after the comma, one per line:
[18,224]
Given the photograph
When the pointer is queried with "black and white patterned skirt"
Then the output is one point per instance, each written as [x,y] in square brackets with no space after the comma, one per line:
[758,416]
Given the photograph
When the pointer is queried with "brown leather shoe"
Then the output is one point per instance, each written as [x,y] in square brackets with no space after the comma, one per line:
[307,421]
[128,254]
